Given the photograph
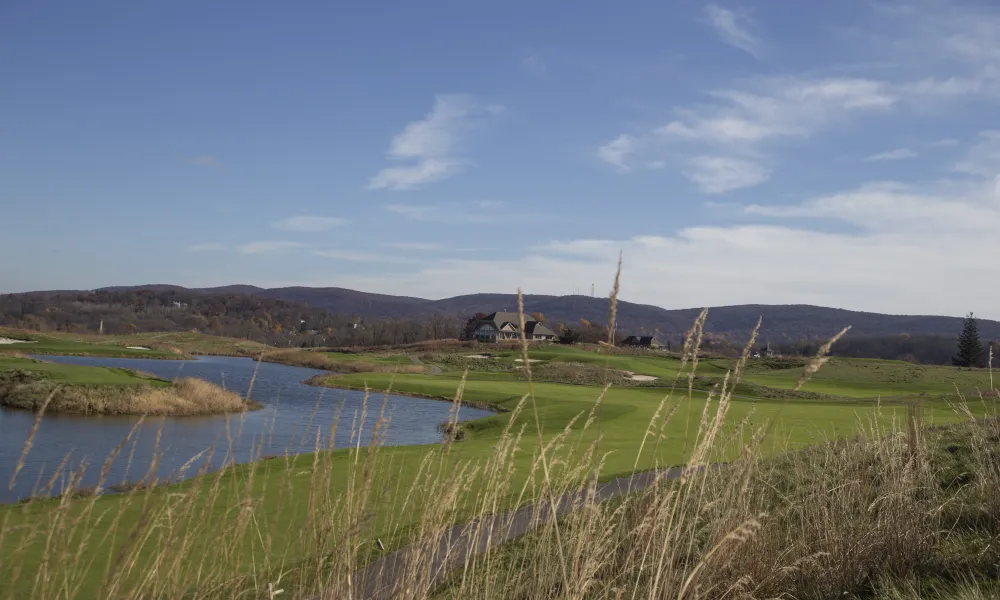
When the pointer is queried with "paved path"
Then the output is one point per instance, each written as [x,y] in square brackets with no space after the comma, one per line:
[440,556]
[435,370]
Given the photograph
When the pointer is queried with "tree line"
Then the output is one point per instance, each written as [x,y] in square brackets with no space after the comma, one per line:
[271,321]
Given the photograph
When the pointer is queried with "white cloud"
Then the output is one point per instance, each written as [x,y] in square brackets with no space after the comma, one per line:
[734,29]
[306,223]
[719,174]
[899,258]
[983,158]
[206,247]
[433,144]
[534,65]
[897,154]
[729,134]
[267,247]
[617,151]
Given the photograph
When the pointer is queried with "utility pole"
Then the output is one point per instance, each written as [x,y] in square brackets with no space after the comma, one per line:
[591,290]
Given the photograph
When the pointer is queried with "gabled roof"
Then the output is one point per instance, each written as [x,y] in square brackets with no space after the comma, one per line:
[511,321]
[537,328]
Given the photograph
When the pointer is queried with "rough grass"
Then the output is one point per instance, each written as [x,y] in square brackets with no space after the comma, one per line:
[329,362]
[29,390]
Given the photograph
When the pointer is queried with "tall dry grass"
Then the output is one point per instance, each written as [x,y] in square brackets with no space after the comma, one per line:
[317,360]
[877,514]
[184,397]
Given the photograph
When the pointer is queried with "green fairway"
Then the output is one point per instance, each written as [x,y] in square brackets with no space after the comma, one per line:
[383,359]
[42,344]
[76,374]
[862,378]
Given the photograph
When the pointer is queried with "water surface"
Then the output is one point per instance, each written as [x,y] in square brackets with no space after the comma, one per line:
[294,415]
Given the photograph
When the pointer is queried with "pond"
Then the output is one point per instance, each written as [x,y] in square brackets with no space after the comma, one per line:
[294,415]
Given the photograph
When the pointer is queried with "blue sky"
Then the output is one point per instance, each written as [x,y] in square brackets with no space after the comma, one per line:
[843,154]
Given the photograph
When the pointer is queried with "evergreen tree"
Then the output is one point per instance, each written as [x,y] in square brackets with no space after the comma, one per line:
[970,348]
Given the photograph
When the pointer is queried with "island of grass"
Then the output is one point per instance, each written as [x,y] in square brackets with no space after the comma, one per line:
[29,384]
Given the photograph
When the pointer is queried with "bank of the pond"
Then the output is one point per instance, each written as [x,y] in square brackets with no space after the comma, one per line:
[296,419]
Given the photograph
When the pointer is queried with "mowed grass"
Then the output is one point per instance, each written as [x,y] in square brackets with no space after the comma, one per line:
[161,345]
[383,359]
[77,374]
[864,378]
[50,344]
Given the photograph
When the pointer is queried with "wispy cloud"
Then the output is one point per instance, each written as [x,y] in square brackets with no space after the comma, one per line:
[433,145]
[268,247]
[897,154]
[534,65]
[203,161]
[476,211]
[728,135]
[305,223]
[910,231]
[733,29]
[358,256]
[617,151]
[983,158]
[720,174]
[416,246]
[945,143]
[206,247]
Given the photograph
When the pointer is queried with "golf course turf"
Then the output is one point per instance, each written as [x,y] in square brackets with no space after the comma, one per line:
[401,481]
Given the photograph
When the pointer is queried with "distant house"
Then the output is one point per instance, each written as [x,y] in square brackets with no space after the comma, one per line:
[641,341]
[501,326]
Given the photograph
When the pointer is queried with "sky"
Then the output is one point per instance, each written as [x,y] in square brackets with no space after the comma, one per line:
[842,154]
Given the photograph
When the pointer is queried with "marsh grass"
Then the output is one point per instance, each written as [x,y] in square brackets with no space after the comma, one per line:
[183,397]
[876,515]
[318,360]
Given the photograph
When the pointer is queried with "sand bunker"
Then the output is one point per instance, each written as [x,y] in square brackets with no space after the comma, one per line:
[478,356]
[138,348]
[530,360]
[4,340]
[643,378]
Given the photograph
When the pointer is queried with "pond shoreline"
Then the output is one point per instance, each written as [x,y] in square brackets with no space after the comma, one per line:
[324,381]
[295,419]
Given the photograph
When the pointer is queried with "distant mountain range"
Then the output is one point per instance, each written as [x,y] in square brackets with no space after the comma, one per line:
[780,322]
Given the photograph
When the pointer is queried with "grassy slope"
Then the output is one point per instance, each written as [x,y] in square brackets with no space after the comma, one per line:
[77,374]
[624,416]
[162,345]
